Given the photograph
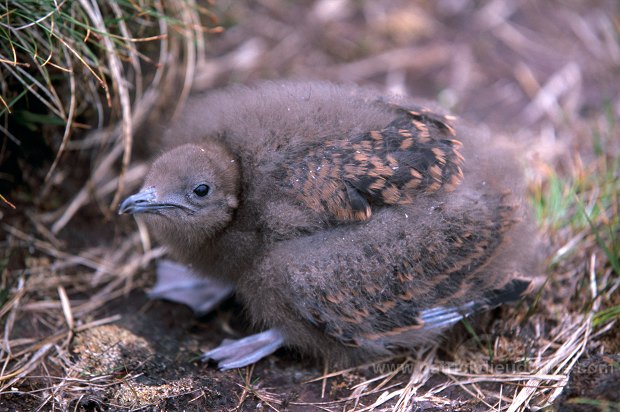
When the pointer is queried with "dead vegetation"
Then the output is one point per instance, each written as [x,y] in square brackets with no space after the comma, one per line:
[77,330]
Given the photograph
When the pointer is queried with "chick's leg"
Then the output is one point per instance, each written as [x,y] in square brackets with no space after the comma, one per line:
[233,354]
[178,283]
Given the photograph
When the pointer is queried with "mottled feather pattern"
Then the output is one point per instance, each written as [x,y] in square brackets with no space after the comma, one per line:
[417,153]
[350,226]
[388,311]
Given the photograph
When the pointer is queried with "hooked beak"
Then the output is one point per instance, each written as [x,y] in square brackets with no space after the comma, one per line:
[142,202]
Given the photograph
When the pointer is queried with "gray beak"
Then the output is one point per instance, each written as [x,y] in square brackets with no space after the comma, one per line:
[141,202]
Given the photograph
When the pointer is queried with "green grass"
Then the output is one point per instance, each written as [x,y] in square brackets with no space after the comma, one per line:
[589,199]
[70,66]
[588,202]
[41,45]
[578,204]
[602,406]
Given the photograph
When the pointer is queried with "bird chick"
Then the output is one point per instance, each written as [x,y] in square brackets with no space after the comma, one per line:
[351,226]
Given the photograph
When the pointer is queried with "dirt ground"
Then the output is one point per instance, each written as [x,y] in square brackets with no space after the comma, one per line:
[540,71]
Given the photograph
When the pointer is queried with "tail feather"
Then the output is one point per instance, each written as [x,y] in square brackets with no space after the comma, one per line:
[442,317]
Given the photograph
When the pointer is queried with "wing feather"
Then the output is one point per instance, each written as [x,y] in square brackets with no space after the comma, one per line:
[343,178]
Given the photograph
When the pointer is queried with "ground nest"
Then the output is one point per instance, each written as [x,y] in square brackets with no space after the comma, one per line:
[78,330]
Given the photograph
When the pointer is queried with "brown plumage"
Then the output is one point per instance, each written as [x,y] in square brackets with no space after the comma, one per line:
[350,226]
[342,177]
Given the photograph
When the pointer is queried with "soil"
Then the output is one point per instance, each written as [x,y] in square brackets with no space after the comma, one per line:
[594,384]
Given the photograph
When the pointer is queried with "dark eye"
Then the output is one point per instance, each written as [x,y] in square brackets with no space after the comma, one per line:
[202,190]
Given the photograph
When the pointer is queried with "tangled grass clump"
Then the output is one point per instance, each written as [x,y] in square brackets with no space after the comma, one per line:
[71,66]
